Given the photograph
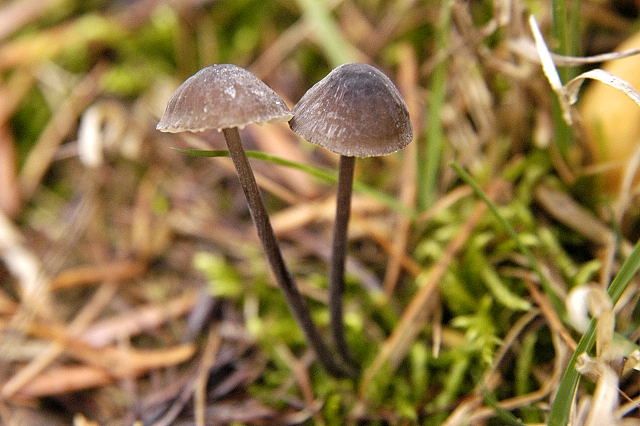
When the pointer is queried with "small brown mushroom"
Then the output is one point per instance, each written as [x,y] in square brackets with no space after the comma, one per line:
[226,97]
[355,111]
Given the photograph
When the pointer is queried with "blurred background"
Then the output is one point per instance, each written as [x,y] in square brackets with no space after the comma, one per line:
[133,286]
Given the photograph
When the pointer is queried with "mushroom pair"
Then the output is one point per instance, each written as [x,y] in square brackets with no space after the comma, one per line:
[354,111]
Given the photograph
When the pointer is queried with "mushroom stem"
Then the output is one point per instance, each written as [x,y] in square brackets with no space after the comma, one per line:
[339,254]
[270,245]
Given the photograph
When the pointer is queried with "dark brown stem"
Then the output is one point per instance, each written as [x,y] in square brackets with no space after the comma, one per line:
[270,245]
[339,255]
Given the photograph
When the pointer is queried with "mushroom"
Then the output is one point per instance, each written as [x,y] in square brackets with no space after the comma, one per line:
[355,111]
[226,97]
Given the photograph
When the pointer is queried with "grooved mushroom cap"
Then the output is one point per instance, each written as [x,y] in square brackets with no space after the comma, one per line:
[354,111]
[220,97]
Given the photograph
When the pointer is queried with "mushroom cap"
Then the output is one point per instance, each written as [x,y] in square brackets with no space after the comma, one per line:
[354,111]
[221,96]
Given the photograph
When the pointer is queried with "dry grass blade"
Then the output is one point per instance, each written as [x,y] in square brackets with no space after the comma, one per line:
[572,88]
[565,209]
[301,375]
[143,318]
[118,270]
[208,359]
[300,215]
[65,379]
[407,76]
[550,314]
[101,128]
[13,93]
[528,50]
[24,265]
[10,198]
[549,69]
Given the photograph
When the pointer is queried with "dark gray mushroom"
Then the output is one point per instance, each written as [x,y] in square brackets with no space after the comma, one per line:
[355,111]
[226,97]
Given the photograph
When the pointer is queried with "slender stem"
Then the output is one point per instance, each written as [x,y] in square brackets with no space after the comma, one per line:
[339,254]
[261,220]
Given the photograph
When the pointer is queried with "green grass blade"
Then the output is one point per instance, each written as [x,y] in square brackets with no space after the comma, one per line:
[628,269]
[319,173]
[561,408]
[566,32]
[326,33]
[429,151]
